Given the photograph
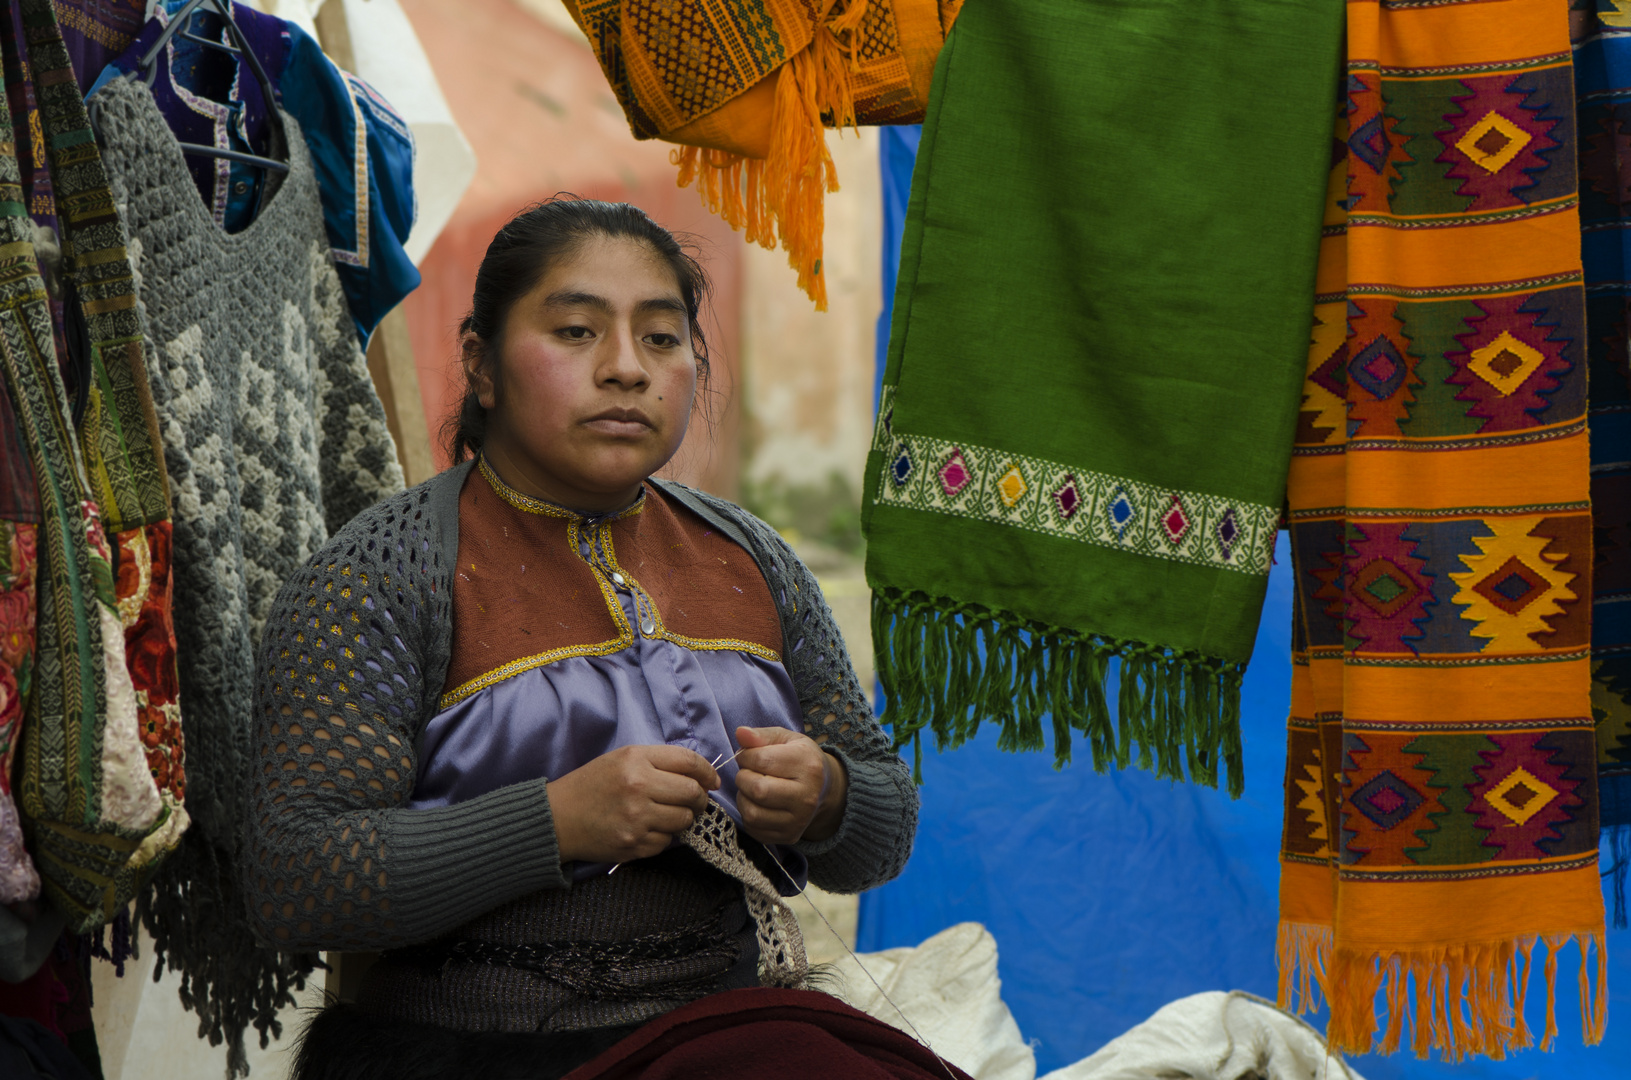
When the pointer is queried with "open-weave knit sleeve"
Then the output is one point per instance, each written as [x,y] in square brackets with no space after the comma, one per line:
[353,656]
[874,839]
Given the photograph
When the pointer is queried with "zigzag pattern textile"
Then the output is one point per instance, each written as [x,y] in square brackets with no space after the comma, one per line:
[1601,30]
[1442,804]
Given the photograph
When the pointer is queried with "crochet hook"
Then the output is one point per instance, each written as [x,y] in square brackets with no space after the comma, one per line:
[714,764]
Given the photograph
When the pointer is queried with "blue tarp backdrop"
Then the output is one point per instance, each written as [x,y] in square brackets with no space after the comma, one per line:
[1112,894]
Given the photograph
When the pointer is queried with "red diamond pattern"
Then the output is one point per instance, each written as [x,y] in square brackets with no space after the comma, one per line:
[954,473]
[1176,522]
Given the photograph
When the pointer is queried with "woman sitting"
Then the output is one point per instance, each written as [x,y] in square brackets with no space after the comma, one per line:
[553,735]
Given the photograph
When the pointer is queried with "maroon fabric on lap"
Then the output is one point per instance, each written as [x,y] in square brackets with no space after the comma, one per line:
[745,1034]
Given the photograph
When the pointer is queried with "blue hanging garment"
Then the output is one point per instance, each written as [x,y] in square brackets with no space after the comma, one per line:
[362,150]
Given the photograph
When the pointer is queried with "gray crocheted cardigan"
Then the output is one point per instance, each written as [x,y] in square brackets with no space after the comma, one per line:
[352,663]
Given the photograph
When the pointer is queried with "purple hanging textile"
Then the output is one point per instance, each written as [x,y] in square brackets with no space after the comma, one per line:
[96,31]
[209,99]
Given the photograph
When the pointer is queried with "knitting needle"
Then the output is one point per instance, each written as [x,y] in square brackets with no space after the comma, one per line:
[714,764]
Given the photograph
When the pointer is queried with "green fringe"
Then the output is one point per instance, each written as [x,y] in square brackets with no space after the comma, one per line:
[950,667]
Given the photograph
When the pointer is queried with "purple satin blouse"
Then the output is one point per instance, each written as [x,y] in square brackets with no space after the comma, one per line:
[547,721]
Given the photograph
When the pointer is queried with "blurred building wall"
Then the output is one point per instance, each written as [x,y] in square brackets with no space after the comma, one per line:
[807,375]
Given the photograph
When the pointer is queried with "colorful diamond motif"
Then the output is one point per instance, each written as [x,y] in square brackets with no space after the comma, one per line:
[1068,499]
[1384,588]
[1175,521]
[1387,800]
[1521,795]
[1228,531]
[1512,587]
[1369,143]
[1493,142]
[1121,511]
[1505,363]
[954,473]
[1379,369]
[901,470]
[1012,487]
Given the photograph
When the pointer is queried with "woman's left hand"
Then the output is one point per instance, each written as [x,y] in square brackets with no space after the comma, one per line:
[787,788]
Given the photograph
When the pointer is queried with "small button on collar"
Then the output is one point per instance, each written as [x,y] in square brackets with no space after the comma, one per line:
[617,579]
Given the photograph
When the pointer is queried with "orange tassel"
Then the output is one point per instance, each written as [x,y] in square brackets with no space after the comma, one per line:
[784,194]
[1302,952]
[1468,1000]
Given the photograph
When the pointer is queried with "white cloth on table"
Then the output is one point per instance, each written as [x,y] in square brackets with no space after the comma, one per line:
[947,989]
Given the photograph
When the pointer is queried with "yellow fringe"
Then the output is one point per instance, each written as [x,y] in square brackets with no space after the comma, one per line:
[1460,1001]
[784,194]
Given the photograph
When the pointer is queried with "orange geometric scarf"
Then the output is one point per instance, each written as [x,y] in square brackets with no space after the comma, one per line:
[699,74]
[1441,802]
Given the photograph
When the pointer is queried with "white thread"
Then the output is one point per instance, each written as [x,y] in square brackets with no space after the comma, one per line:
[771,851]
[714,764]
[717,764]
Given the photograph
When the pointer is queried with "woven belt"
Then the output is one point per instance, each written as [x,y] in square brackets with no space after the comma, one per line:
[592,968]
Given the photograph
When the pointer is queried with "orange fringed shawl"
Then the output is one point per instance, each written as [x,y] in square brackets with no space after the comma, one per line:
[1441,800]
[700,74]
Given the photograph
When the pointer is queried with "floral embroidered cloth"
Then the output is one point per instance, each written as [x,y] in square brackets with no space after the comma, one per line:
[1441,796]
[18,558]
[1092,377]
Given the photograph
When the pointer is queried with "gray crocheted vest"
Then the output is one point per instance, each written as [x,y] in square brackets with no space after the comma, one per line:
[273,434]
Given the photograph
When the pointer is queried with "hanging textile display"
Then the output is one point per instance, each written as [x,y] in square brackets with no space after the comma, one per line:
[19,557]
[1081,448]
[95,31]
[1441,803]
[119,437]
[361,148]
[747,89]
[255,316]
[1603,91]
[96,819]
[19,539]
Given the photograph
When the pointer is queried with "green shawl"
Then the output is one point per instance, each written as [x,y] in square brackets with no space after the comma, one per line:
[1101,324]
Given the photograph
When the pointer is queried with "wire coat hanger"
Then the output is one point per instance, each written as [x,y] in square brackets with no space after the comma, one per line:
[148,65]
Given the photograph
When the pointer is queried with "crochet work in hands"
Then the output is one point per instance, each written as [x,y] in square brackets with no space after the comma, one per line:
[352,663]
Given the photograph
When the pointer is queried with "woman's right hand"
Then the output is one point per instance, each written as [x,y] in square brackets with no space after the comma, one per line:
[630,803]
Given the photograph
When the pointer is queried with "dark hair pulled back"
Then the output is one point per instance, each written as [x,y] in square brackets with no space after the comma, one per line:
[521,254]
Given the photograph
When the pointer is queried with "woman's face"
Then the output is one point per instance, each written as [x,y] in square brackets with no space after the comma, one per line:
[597,378]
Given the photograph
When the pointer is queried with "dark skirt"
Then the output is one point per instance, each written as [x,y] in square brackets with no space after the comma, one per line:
[346,1042]
[733,1035]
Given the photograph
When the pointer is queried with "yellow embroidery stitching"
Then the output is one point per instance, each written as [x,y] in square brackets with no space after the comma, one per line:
[608,593]
[721,645]
[530,505]
[527,663]
[662,631]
